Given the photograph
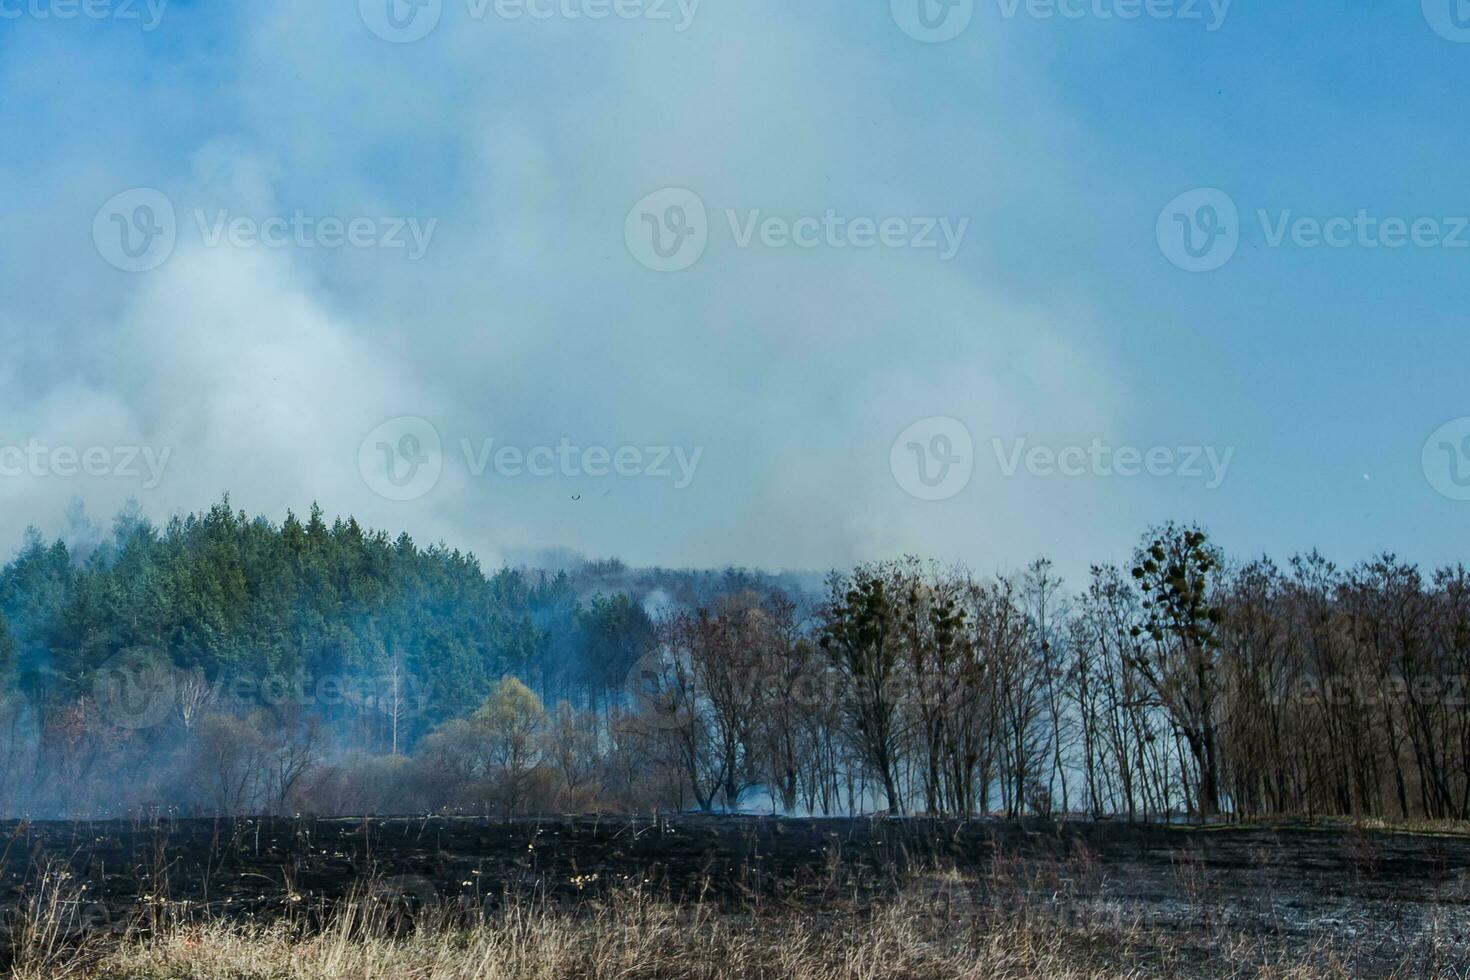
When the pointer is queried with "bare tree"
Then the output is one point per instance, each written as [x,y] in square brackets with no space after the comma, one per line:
[230,765]
[858,636]
[293,747]
[572,747]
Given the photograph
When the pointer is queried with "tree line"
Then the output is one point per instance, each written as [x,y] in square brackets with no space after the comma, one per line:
[226,664]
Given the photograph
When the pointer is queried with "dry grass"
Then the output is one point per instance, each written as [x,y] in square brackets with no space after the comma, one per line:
[935,929]
[628,938]
[1456,828]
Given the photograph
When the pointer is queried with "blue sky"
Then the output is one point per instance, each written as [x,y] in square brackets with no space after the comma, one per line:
[530,319]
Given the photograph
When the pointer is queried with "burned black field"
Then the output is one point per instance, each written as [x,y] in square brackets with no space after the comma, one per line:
[1369,895]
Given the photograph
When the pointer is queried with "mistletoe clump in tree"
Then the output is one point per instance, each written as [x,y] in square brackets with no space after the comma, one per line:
[1178,644]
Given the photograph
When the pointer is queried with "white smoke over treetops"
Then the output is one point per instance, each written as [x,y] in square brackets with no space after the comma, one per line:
[261,370]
